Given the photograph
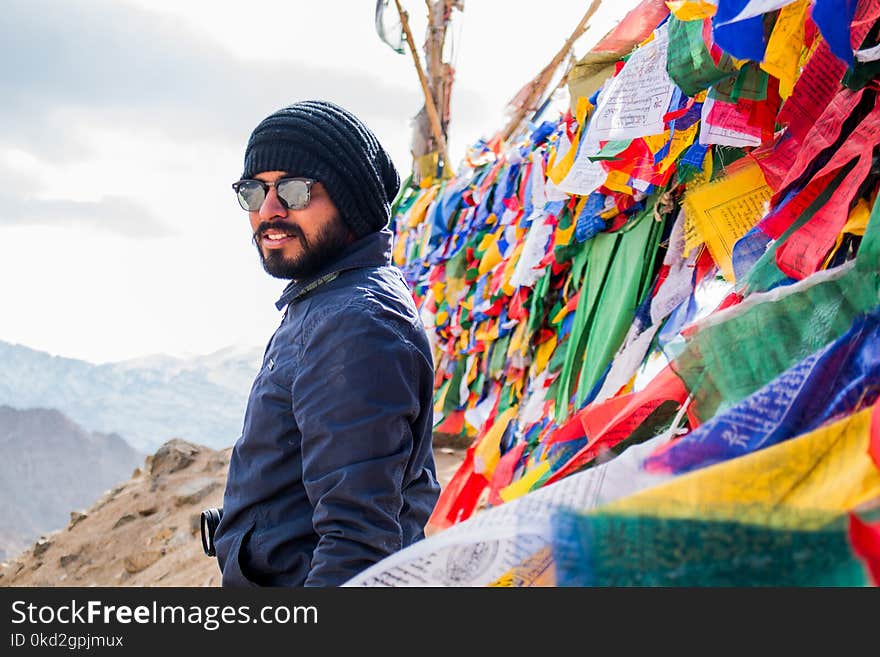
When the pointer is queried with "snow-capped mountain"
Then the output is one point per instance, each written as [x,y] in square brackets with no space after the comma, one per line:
[147,400]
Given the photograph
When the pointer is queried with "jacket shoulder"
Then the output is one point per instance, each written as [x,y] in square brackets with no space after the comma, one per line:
[366,295]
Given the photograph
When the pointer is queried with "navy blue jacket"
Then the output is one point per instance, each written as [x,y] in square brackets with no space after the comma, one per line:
[334,469]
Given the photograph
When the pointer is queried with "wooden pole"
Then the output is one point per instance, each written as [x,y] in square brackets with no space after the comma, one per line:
[433,117]
[562,81]
[539,84]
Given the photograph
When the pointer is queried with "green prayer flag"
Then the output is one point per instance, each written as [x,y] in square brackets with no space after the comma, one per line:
[616,550]
[724,362]
[689,63]
[620,296]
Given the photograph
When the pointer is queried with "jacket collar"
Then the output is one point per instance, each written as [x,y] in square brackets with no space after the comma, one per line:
[373,250]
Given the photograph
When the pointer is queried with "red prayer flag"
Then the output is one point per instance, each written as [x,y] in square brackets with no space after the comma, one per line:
[459,499]
[865,541]
[614,419]
[503,473]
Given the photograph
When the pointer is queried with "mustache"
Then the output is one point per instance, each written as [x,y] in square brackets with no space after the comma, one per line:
[293,229]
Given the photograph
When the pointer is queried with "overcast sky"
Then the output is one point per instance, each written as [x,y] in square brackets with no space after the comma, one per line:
[123,124]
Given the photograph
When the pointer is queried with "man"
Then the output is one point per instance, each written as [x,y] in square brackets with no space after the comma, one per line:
[334,469]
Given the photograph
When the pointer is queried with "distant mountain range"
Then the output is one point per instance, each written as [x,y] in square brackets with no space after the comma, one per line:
[146,400]
[50,467]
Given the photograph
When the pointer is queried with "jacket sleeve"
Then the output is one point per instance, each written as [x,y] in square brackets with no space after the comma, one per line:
[354,398]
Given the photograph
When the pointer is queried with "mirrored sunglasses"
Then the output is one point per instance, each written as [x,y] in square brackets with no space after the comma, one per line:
[293,193]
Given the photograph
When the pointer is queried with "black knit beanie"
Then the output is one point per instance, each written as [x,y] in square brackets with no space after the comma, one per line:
[320,140]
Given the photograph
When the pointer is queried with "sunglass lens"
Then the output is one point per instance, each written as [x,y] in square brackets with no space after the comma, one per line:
[295,193]
[251,195]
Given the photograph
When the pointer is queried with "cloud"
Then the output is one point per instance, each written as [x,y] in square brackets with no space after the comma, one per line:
[139,70]
[113,214]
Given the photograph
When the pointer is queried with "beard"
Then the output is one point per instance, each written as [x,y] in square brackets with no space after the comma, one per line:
[325,247]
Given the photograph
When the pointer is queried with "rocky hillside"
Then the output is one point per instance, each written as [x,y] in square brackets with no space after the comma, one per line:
[51,465]
[145,531]
[148,400]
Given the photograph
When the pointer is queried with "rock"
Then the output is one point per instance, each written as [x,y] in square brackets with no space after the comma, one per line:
[135,563]
[163,534]
[143,513]
[216,463]
[127,518]
[76,517]
[41,546]
[174,455]
[179,540]
[67,559]
[195,491]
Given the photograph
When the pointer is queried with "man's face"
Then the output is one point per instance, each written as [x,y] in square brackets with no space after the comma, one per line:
[295,243]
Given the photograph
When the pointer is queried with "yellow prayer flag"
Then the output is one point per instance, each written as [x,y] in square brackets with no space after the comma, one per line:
[855,225]
[725,210]
[518,340]
[399,251]
[692,237]
[473,371]
[510,267]
[518,385]
[858,218]
[784,47]
[681,140]
[487,331]
[425,169]
[488,451]
[437,290]
[563,235]
[559,316]
[589,74]
[618,181]
[441,400]
[542,355]
[524,484]
[798,484]
[827,470]
[560,169]
[628,386]
[490,258]
[691,10]
[455,288]
[536,570]
[425,245]
[656,142]
[488,238]
[420,207]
